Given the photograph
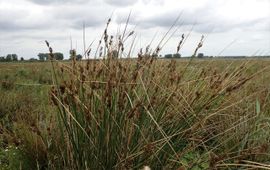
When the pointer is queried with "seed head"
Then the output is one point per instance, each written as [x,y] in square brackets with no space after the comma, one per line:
[47,43]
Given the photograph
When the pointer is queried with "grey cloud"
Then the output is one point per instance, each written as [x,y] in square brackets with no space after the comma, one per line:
[262,24]
[89,22]
[48,2]
[7,26]
[204,20]
[68,16]
[10,20]
[55,20]
[75,16]
[222,25]
[18,20]
[36,35]
[121,17]
[165,19]
[20,25]
[155,2]
[121,2]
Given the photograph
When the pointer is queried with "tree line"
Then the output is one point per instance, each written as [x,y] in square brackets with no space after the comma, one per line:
[10,57]
[177,55]
[40,57]
[45,56]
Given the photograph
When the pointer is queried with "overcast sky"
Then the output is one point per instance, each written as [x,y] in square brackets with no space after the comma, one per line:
[233,27]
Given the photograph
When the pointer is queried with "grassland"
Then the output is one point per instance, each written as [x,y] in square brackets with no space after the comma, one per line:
[123,114]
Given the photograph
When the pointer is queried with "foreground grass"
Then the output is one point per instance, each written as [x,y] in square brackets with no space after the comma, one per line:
[24,110]
[122,114]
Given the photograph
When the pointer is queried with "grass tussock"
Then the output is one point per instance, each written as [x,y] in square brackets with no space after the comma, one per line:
[126,113]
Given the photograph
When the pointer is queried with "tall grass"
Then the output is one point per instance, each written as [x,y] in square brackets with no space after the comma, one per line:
[118,113]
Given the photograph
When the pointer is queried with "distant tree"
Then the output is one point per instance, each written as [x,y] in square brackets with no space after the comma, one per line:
[42,56]
[22,59]
[14,57]
[79,57]
[9,57]
[168,56]
[33,59]
[59,56]
[177,55]
[2,59]
[200,55]
[45,56]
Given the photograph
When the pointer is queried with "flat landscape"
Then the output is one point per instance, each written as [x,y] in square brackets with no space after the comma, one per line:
[122,114]
[134,85]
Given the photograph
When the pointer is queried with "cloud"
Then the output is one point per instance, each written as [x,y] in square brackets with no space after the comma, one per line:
[7,26]
[18,22]
[68,16]
[75,15]
[167,19]
[49,2]
[154,2]
[32,21]
[163,19]
[206,19]
[121,3]
[11,19]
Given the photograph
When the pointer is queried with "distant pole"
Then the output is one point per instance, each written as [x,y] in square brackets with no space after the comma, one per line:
[70,42]
[84,38]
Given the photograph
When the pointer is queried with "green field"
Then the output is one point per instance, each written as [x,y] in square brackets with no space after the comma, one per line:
[127,114]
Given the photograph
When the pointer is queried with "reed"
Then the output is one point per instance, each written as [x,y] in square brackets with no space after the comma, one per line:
[116,113]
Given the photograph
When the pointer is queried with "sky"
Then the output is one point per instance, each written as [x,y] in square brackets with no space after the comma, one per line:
[230,27]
